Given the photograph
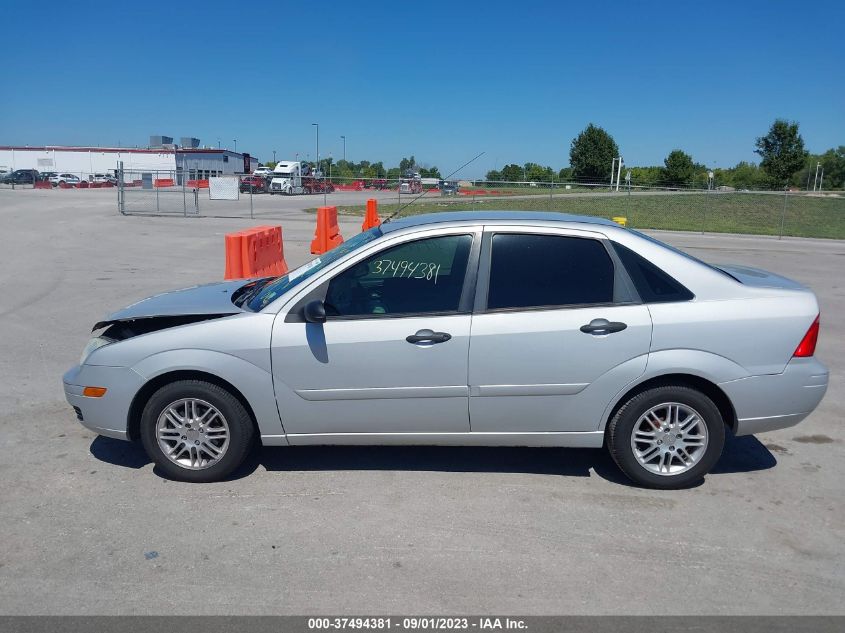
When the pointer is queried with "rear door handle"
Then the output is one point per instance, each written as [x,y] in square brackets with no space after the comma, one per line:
[603,326]
[428,336]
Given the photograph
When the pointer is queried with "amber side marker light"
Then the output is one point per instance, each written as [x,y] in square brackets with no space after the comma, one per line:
[94,392]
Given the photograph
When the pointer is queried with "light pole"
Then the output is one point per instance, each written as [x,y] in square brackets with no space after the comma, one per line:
[235,141]
[218,143]
[317,126]
[344,147]
[710,182]
[274,156]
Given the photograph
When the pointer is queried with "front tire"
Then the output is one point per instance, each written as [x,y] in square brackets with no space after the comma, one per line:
[196,431]
[667,437]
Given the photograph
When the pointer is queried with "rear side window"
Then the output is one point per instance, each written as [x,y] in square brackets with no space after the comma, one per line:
[653,284]
[529,271]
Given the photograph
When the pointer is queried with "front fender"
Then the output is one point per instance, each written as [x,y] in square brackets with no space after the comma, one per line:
[254,383]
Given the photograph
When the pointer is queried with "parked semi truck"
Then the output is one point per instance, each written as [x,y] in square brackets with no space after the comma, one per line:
[293,177]
[410,183]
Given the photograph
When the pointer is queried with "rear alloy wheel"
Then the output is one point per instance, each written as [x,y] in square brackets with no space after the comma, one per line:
[196,431]
[667,437]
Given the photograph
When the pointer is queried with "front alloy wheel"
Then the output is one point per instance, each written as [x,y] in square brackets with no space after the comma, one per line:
[192,433]
[196,431]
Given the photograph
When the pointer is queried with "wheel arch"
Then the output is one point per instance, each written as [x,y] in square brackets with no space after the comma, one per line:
[707,387]
[136,409]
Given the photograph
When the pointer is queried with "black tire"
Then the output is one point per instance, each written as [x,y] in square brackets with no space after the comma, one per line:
[621,427]
[241,429]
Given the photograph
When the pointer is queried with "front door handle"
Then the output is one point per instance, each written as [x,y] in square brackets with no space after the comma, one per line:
[428,336]
[603,326]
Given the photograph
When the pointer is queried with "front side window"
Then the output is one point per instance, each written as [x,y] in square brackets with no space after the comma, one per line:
[533,271]
[420,277]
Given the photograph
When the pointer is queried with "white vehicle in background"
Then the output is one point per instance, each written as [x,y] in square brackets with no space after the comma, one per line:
[103,178]
[262,172]
[287,178]
[68,179]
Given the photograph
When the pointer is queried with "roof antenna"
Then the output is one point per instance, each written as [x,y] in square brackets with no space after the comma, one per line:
[402,208]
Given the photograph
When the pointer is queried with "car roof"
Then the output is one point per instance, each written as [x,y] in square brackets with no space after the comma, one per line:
[490,216]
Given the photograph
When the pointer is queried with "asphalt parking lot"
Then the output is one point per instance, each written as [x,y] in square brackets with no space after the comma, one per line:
[88,527]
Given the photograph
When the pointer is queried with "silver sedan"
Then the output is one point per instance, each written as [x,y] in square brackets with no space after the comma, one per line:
[488,328]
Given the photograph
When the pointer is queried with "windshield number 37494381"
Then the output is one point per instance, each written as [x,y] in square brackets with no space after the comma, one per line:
[411,270]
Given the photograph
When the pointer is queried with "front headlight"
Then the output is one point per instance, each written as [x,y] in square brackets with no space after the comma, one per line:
[95,343]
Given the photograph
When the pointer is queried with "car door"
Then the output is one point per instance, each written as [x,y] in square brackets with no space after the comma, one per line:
[391,357]
[557,332]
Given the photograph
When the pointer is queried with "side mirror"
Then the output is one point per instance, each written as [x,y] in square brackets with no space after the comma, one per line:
[314,312]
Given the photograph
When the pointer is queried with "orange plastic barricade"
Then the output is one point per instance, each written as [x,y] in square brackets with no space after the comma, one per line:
[234,256]
[255,252]
[263,252]
[371,219]
[328,234]
[163,182]
[83,184]
[42,184]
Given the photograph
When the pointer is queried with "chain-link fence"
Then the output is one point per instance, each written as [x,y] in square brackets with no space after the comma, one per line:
[271,196]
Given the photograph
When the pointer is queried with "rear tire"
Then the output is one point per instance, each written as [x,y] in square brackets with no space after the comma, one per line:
[666,437]
[196,431]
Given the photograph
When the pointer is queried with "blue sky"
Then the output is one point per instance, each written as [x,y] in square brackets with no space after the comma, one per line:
[442,81]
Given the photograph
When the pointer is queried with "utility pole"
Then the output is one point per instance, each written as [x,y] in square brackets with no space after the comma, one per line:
[317,125]
[618,173]
[344,147]
[816,178]
[274,156]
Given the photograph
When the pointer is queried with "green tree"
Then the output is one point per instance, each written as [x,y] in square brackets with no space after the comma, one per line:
[833,164]
[678,167]
[494,175]
[782,152]
[429,172]
[407,163]
[512,173]
[591,154]
[535,172]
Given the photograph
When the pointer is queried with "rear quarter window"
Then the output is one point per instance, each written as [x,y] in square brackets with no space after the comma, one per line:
[653,284]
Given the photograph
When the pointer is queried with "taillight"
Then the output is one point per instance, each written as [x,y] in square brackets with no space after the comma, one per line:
[807,346]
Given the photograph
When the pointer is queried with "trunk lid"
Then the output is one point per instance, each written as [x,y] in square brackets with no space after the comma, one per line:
[759,278]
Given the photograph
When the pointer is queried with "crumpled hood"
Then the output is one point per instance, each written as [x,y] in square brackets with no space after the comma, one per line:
[208,299]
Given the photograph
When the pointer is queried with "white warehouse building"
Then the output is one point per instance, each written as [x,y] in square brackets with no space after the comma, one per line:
[164,162]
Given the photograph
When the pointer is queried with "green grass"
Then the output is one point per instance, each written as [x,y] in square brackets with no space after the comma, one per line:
[751,213]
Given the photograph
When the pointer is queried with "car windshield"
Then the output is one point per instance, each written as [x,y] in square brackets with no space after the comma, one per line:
[277,287]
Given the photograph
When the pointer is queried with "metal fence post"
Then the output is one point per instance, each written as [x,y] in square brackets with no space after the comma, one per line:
[704,212]
[121,200]
[783,213]
[184,196]
[197,200]
[251,211]
[155,186]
